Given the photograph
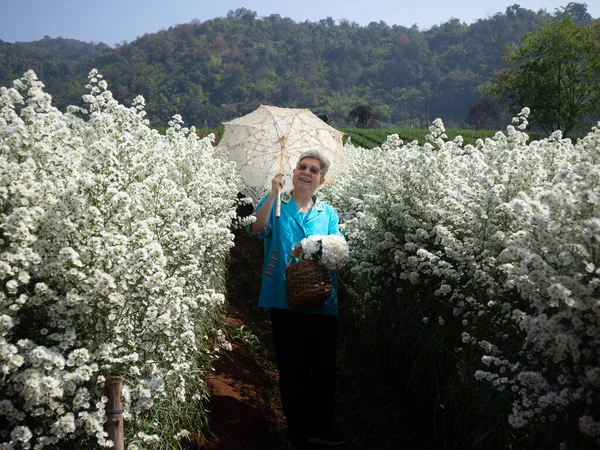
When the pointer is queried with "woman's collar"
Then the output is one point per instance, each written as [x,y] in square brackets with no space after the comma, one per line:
[287,196]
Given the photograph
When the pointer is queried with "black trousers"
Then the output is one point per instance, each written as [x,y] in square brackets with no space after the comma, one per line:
[305,348]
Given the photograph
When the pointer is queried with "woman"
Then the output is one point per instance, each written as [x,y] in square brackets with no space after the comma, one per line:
[305,342]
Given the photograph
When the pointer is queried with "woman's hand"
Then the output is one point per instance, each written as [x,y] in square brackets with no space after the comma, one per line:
[277,183]
[263,214]
[296,252]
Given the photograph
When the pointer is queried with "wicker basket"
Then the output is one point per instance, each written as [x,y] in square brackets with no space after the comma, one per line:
[308,284]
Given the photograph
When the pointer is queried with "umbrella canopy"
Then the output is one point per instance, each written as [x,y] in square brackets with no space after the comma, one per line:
[270,139]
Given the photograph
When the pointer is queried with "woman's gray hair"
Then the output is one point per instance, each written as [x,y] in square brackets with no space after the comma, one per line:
[325,163]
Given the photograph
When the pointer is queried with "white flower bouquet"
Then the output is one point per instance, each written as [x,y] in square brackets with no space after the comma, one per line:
[331,250]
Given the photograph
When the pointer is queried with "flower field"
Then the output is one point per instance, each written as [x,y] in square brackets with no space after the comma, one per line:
[113,245]
[375,137]
[474,272]
[478,268]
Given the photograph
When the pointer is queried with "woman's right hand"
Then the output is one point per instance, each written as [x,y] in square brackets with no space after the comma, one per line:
[277,183]
[264,212]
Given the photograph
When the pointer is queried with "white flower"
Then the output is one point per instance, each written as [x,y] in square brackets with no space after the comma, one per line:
[182,434]
[12,286]
[511,226]
[21,434]
[113,237]
[588,426]
[332,250]
[64,425]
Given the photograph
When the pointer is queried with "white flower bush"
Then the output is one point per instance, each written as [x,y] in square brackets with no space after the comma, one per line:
[112,247]
[501,240]
[331,250]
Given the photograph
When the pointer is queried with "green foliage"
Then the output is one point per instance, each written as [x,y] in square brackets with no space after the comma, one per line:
[62,64]
[214,71]
[362,116]
[555,72]
[422,362]
[422,359]
[243,336]
[485,115]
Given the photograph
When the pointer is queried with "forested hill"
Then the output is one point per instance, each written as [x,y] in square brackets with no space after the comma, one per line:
[223,68]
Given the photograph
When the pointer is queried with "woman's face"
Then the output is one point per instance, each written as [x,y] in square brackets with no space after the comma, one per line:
[307,175]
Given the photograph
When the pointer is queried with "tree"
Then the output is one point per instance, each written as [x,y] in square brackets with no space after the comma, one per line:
[242,13]
[362,116]
[426,91]
[485,115]
[323,117]
[555,72]
[240,61]
[578,12]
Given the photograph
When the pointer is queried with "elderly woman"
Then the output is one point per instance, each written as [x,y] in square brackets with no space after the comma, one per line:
[305,342]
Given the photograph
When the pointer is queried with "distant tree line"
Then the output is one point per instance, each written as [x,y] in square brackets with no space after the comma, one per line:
[219,69]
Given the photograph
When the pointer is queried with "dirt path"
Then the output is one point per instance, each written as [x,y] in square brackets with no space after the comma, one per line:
[245,409]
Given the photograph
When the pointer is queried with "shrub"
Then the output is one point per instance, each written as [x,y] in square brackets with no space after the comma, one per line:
[113,241]
[493,252]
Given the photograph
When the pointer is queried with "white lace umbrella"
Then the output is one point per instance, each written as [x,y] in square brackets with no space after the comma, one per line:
[270,140]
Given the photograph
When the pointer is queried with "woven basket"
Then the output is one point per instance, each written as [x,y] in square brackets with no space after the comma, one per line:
[308,284]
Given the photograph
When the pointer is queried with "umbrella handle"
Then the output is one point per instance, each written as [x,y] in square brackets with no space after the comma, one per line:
[278,205]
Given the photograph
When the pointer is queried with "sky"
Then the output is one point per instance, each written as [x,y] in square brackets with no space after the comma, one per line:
[119,21]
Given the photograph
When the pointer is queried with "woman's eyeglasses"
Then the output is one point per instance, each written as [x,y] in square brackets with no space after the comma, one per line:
[314,170]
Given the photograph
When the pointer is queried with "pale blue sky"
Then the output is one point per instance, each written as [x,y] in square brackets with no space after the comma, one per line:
[115,21]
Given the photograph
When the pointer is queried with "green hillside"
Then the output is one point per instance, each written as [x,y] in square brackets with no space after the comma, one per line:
[213,71]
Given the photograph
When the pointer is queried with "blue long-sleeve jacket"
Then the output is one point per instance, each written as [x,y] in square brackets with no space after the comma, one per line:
[280,235]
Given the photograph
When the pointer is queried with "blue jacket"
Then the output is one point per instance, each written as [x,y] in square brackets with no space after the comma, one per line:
[280,235]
